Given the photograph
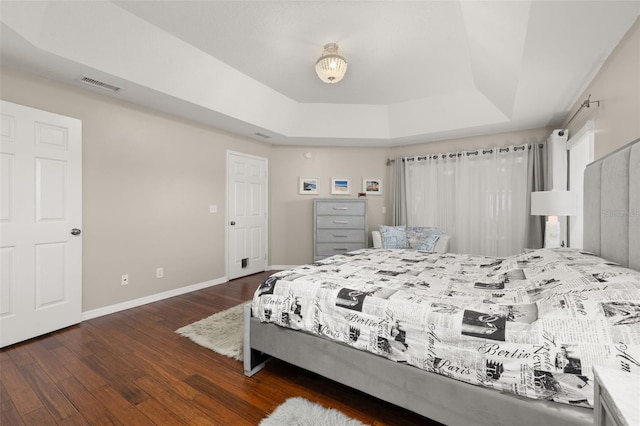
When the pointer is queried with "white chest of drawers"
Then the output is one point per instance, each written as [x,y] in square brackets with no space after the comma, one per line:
[339,226]
[617,398]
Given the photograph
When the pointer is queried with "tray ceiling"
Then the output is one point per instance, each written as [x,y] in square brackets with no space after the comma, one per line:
[418,70]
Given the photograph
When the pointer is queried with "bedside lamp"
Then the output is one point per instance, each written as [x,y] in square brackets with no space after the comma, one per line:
[553,204]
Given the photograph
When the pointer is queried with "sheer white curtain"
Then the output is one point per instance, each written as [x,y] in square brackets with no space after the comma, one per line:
[479,198]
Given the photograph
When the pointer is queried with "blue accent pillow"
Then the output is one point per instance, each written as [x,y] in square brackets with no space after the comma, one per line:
[394,237]
[423,238]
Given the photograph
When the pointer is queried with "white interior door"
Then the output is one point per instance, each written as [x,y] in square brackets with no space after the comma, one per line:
[40,206]
[246,215]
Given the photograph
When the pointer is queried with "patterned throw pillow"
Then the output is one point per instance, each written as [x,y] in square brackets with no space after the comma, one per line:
[394,237]
[423,238]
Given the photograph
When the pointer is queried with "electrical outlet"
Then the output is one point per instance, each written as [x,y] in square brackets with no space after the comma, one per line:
[124,280]
[159,272]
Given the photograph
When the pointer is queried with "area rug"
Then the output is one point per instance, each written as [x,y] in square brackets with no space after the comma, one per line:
[302,412]
[221,332]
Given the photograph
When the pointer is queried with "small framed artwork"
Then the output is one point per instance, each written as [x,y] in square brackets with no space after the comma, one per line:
[372,186]
[340,186]
[309,186]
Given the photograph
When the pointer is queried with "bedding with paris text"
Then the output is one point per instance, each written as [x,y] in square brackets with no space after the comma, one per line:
[532,324]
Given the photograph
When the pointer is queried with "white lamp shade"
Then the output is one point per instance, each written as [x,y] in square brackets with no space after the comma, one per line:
[554,203]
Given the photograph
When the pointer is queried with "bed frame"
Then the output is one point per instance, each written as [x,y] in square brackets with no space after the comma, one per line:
[612,214]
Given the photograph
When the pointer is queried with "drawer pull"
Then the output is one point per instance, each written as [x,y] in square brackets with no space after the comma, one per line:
[341,208]
[343,222]
[339,249]
[340,236]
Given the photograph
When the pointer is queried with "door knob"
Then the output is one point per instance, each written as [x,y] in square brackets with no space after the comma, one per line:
[76,231]
[233,222]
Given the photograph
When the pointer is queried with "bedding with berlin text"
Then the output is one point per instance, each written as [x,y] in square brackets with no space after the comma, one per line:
[533,324]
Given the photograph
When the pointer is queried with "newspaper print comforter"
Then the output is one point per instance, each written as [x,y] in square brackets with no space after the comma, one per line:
[533,324]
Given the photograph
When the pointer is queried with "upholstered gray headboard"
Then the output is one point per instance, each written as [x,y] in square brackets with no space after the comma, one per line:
[612,206]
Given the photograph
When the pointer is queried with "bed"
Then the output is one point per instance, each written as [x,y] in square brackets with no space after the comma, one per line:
[548,381]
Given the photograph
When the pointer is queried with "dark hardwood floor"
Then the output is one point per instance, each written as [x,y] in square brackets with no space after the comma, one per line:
[131,368]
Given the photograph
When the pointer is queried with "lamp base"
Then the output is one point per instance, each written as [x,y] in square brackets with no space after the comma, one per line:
[552,233]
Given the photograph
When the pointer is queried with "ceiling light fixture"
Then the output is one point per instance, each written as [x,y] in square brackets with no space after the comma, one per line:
[331,67]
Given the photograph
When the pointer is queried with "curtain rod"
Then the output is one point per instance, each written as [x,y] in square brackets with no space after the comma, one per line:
[587,102]
[460,154]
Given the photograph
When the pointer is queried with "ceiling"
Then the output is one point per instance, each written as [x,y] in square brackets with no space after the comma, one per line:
[418,71]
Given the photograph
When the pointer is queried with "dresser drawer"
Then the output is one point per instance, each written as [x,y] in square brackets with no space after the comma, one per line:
[330,249]
[340,222]
[341,208]
[339,226]
[340,236]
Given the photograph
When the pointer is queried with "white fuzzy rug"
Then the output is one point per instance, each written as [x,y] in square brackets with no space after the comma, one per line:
[221,332]
[302,412]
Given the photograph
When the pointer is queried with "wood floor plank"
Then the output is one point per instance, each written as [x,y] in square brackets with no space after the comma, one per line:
[166,374]
[83,400]
[41,354]
[9,414]
[181,408]
[89,378]
[75,420]
[53,399]
[158,413]
[149,349]
[107,420]
[76,338]
[224,416]
[118,380]
[19,389]
[20,355]
[49,341]
[132,368]
[40,417]
[239,407]
[119,408]
[4,395]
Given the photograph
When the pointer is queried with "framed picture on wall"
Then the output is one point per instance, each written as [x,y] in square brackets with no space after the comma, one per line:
[340,186]
[372,186]
[309,186]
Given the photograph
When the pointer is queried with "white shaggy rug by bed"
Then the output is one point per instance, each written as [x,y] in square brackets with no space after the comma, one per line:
[302,412]
[221,332]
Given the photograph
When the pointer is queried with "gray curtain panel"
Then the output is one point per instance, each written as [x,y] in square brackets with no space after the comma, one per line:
[399,193]
[538,165]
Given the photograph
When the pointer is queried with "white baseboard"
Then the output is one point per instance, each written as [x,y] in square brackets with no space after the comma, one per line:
[95,313]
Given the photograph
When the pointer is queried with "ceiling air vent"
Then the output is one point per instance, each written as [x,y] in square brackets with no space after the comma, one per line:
[99,84]
[262,135]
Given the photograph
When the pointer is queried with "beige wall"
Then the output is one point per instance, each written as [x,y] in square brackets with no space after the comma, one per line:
[148,181]
[617,87]
[291,222]
[291,230]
